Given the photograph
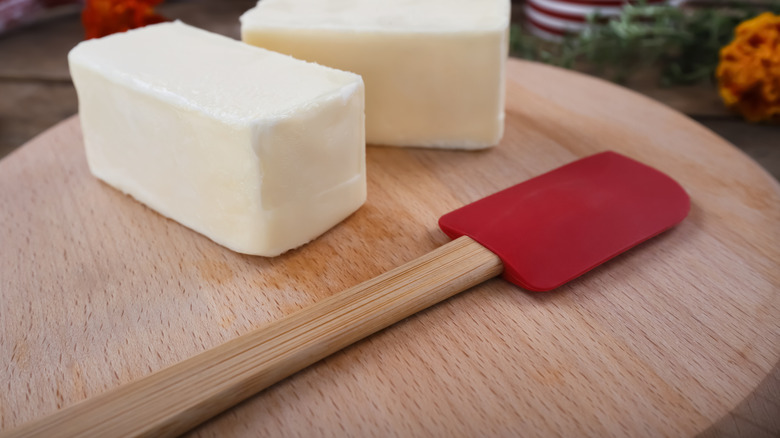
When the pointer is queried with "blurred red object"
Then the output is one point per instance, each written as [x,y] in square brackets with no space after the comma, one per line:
[104,17]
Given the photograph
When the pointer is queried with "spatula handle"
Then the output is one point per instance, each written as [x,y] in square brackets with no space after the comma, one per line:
[175,399]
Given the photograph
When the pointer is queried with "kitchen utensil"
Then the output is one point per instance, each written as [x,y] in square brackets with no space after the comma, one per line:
[541,233]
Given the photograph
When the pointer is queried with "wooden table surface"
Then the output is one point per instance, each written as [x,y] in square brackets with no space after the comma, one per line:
[678,337]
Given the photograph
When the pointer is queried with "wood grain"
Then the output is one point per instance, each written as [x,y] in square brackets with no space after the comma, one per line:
[177,398]
[672,338]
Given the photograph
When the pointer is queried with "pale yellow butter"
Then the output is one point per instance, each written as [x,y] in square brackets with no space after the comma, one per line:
[433,69]
[256,150]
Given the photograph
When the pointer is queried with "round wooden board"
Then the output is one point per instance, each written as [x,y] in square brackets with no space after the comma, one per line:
[679,336]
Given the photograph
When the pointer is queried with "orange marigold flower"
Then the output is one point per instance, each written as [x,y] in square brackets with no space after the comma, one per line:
[749,69]
[104,17]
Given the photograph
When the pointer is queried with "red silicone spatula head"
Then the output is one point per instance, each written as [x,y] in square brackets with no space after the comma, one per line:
[557,226]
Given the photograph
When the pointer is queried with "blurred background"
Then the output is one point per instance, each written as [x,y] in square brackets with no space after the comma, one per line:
[665,49]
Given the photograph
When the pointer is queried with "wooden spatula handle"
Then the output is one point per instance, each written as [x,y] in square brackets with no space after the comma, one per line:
[175,399]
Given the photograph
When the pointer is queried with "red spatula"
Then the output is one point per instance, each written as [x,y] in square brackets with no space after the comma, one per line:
[540,234]
[557,226]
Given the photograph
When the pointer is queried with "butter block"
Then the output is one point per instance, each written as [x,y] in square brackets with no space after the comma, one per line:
[256,150]
[433,69]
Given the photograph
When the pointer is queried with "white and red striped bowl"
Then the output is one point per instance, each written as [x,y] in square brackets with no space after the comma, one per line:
[552,19]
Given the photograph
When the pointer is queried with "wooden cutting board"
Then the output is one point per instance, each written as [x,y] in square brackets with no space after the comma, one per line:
[679,336]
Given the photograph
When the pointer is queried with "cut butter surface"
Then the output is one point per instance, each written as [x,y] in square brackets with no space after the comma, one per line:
[256,150]
[433,69]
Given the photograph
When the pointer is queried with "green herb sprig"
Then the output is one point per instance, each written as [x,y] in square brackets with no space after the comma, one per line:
[684,44]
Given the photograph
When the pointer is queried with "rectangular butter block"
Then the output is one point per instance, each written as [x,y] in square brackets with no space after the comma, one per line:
[433,69]
[256,150]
